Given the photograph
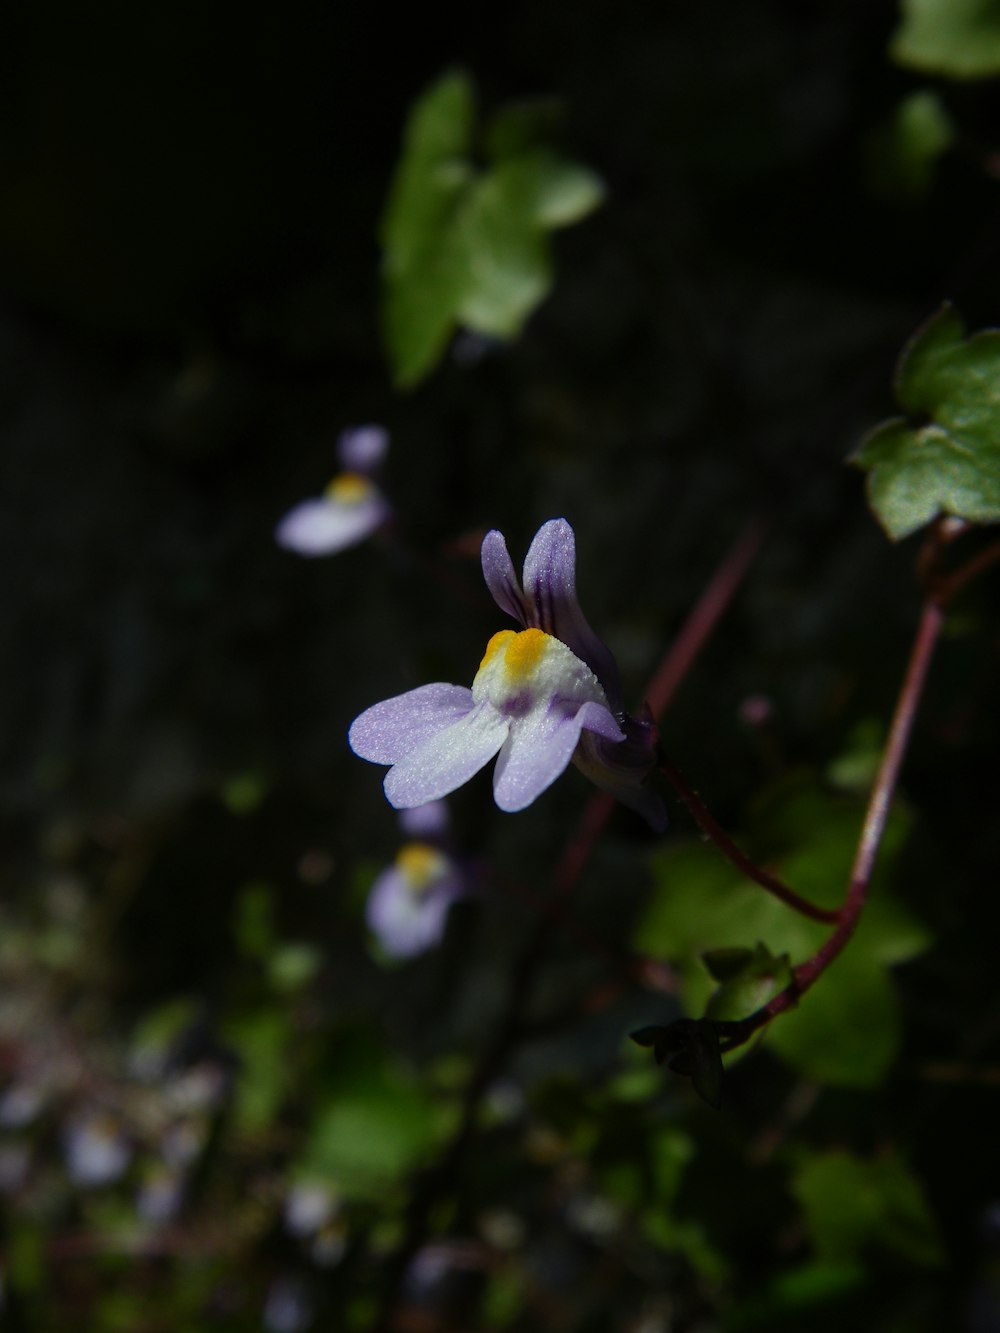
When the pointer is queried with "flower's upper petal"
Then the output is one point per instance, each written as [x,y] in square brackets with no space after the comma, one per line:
[447,759]
[406,923]
[550,593]
[389,731]
[498,571]
[322,527]
[539,748]
[362,448]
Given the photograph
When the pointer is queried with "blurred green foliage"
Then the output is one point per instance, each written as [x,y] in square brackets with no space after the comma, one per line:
[466,246]
[959,38]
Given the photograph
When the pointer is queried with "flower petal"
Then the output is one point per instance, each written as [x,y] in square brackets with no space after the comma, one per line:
[362,448]
[498,571]
[389,731]
[539,747]
[447,759]
[322,527]
[550,592]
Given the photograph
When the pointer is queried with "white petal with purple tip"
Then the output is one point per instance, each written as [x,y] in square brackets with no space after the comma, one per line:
[394,728]
[448,759]
[539,748]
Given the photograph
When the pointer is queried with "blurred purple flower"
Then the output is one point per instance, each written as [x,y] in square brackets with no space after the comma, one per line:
[351,507]
[97,1151]
[542,698]
[409,901]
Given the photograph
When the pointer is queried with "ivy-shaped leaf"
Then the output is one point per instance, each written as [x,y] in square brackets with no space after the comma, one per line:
[466,243]
[960,38]
[943,457]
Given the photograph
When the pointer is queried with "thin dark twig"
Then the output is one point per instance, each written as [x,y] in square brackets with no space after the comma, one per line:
[739,859]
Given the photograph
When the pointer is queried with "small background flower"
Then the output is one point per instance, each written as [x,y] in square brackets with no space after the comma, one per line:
[350,509]
[409,901]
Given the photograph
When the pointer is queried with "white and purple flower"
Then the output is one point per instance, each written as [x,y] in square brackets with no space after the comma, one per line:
[351,508]
[543,697]
[408,903]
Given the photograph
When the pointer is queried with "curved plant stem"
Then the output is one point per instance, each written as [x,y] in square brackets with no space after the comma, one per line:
[739,859]
[806,974]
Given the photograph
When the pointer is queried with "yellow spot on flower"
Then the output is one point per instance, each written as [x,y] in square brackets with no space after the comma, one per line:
[420,864]
[495,644]
[524,654]
[349,488]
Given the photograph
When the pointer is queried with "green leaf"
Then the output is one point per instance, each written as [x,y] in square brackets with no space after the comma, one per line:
[943,457]
[846,1028]
[466,244]
[507,269]
[374,1125]
[422,274]
[959,38]
[852,1205]
[745,989]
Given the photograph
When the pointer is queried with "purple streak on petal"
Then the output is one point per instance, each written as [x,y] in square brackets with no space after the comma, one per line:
[498,571]
[394,728]
[550,592]
[323,527]
[406,923]
[425,821]
[447,759]
[362,448]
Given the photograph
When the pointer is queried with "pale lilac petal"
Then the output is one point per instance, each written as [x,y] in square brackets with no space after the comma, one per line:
[394,728]
[601,721]
[447,759]
[322,527]
[498,571]
[550,593]
[539,748]
[362,448]
[407,923]
[425,821]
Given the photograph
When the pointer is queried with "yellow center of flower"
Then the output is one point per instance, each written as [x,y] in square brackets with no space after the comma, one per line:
[349,488]
[419,864]
[521,652]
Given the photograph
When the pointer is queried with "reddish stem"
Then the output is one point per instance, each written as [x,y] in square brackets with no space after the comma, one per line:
[807,973]
[739,859]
